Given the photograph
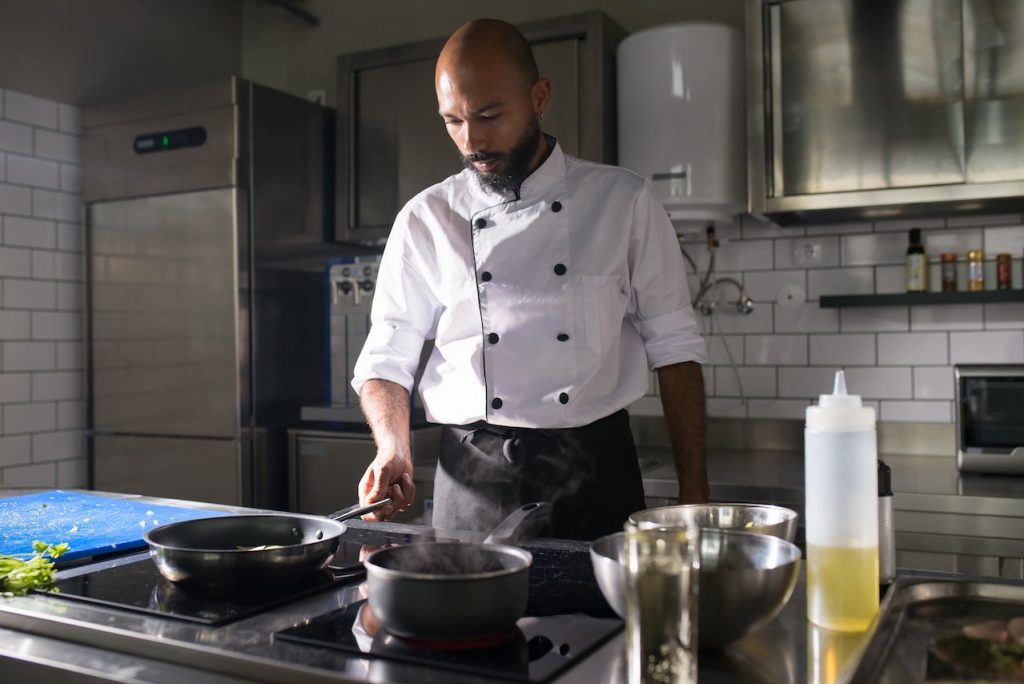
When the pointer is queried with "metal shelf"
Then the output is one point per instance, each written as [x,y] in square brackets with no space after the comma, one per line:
[911,298]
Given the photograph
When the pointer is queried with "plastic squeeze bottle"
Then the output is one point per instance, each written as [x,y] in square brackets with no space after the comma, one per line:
[841,511]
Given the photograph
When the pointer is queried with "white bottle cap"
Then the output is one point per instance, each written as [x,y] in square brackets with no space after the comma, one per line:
[839,411]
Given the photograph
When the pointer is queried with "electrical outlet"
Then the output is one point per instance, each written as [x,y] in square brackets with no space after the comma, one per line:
[318,96]
[807,252]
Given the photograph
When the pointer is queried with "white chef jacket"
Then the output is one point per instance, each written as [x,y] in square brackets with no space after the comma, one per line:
[546,311]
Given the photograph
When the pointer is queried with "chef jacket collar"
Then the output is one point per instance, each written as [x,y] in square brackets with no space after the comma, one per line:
[550,173]
[538,184]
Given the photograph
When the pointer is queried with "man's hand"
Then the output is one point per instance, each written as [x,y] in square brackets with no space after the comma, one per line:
[389,475]
[386,407]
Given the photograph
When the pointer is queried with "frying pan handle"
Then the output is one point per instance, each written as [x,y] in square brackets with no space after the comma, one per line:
[356,510]
[511,528]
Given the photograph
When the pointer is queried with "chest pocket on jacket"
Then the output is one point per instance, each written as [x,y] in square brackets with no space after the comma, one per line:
[604,307]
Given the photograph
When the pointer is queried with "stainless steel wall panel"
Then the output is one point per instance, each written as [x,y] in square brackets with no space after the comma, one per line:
[116,170]
[871,94]
[164,321]
[194,469]
[401,150]
[560,61]
[292,164]
[873,109]
[994,72]
[199,97]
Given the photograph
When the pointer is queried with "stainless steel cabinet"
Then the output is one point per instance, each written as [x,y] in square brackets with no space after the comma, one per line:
[884,108]
[966,535]
[164,296]
[325,468]
[959,555]
[205,310]
[211,470]
[391,143]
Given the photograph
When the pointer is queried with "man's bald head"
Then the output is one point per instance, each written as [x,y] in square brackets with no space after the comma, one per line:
[491,99]
[487,43]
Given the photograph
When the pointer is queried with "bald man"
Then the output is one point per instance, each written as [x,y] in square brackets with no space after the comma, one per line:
[550,285]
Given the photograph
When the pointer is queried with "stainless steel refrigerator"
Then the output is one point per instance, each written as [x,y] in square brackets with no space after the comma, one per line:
[206,209]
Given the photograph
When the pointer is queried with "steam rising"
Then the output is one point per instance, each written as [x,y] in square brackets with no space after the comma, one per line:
[447,560]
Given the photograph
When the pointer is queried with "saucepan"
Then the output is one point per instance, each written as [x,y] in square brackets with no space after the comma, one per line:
[244,551]
[447,591]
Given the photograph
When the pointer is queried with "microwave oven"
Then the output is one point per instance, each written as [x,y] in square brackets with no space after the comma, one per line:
[989,418]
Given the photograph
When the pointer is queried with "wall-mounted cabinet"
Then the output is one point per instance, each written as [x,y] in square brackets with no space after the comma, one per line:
[392,144]
[881,109]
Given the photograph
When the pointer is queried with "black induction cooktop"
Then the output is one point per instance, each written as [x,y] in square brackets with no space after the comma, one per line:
[538,649]
[136,585]
[566,618]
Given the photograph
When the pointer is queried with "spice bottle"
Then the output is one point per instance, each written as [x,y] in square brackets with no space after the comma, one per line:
[917,263]
[948,260]
[975,270]
[841,496]
[1003,271]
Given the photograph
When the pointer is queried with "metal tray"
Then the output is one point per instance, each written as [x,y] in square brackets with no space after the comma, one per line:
[917,610]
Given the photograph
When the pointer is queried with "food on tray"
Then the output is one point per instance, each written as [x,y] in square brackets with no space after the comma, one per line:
[1016,629]
[992,630]
[984,651]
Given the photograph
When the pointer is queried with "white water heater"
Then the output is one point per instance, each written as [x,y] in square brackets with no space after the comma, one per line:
[681,118]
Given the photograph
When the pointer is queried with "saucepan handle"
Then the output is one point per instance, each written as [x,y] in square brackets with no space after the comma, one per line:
[357,510]
[511,528]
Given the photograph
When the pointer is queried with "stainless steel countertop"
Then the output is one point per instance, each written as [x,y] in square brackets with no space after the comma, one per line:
[39,630]
[920,483]
[84,641]
[40,635]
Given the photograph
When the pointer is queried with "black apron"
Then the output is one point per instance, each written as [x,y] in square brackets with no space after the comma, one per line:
[589,474]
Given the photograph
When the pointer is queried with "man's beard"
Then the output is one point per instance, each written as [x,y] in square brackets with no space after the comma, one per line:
[513,166]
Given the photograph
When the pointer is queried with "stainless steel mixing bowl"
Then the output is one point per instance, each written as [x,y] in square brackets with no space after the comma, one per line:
[762,518]
[745,580]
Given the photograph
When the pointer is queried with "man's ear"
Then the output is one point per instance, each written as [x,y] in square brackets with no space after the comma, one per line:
[540,96]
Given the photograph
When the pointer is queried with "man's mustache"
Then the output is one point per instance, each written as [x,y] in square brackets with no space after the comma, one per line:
[481,157]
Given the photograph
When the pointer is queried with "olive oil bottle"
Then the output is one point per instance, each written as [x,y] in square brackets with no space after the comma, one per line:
[841,490]
[917,263]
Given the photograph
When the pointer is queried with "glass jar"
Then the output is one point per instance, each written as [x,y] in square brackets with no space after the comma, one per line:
[1003,271]
[948,260]
[975,270]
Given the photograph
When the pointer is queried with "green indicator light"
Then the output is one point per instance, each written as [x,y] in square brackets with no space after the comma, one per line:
[166,141]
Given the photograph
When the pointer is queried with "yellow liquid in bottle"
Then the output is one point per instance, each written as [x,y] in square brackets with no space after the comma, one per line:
[842,587]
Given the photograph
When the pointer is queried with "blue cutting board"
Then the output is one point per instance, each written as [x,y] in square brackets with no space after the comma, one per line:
[91,524]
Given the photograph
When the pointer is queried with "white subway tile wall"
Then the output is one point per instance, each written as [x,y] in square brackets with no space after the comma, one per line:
[42,379]
[805,317]
[899,359]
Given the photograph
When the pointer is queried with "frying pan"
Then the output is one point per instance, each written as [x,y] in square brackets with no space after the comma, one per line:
[219,553]
[449,591]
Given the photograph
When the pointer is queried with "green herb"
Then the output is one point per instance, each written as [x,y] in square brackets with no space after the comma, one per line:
[983,655]
[17,576]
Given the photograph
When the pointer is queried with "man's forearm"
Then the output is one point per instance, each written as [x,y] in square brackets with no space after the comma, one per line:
[682,398]
[386,407]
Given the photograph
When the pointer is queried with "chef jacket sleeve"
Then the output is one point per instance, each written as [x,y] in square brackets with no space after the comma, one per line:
[661,297]
[405,308]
